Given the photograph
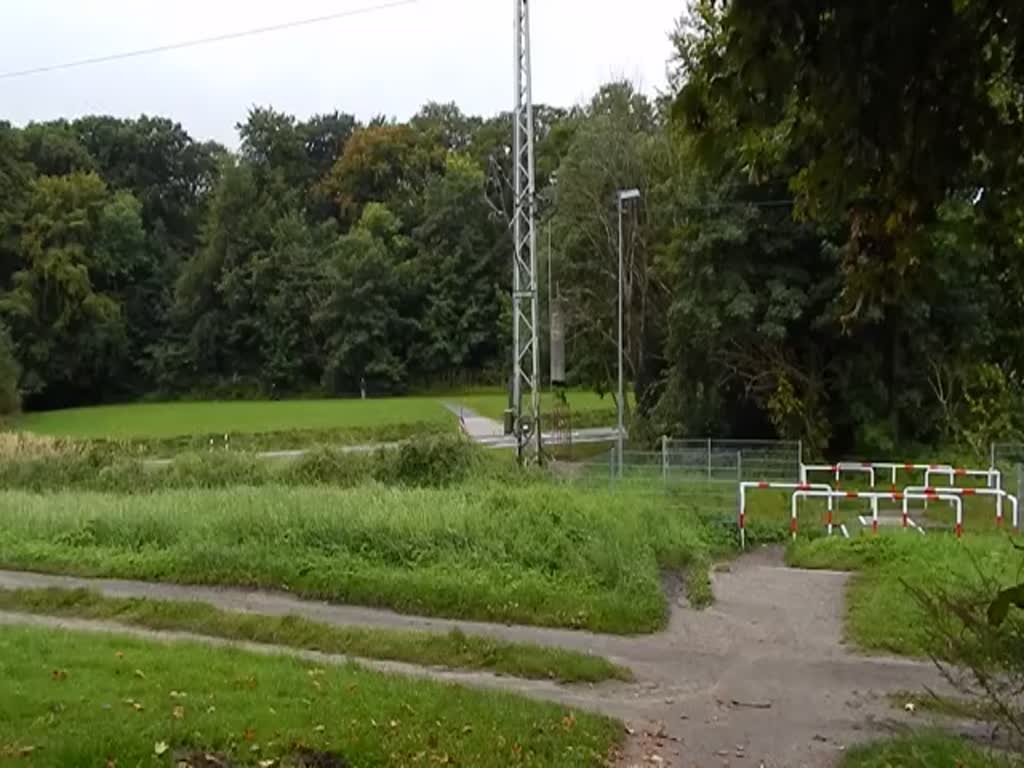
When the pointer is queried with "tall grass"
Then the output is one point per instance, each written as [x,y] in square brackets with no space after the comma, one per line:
[529,554]
[435,462]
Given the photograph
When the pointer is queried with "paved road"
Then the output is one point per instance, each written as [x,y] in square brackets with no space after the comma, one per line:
[486,432]
[760,679]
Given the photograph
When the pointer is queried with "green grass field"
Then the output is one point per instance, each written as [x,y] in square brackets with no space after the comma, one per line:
[454,650]
[72,700]
[532,553]
[167,420]
[492,403]
[881,614]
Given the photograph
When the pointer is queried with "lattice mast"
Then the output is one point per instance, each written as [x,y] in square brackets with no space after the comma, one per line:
[526,365]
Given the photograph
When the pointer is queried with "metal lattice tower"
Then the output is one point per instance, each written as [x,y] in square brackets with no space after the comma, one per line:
[526,365]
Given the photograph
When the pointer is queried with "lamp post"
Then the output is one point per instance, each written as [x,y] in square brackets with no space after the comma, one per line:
[624,195]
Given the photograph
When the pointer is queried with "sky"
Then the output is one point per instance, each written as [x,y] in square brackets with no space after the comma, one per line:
[386,62]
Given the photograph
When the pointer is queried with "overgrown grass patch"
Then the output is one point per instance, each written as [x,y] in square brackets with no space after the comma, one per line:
[927,749]
[73,699]
[454,650]
[533,554]
[881,612]
[429,461]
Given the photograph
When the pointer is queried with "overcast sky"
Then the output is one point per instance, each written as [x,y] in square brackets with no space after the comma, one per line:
[389,62]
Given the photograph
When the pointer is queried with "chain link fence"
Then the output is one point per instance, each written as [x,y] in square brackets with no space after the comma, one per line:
[752,460]
[1008,458]
[702,473]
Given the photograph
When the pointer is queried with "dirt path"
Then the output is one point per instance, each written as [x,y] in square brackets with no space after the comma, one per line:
[759,679]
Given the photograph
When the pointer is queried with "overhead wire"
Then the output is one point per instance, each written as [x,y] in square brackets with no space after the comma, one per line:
[363,11]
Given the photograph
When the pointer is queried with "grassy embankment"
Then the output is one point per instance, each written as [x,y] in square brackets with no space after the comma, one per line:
[531,553]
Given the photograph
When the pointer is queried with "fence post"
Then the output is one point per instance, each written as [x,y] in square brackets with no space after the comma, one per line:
[992,456]
[1020,477]
[800,459]
[664,459]
[709,459]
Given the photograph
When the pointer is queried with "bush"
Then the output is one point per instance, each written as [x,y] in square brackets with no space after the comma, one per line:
[431,463]
[328,466]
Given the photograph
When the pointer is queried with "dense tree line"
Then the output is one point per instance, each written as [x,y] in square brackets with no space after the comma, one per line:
[136,260]
[828,243]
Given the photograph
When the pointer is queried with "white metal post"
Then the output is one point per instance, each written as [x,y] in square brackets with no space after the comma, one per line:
[622,387]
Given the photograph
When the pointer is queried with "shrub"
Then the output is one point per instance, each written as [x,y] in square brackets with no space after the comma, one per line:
[328,466]
[431,463]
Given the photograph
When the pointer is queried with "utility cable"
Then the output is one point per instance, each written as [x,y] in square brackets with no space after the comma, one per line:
[208,40]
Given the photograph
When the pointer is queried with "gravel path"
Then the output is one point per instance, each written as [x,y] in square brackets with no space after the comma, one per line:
[760,679]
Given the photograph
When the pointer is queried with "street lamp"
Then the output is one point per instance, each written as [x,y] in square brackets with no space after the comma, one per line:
[624,196]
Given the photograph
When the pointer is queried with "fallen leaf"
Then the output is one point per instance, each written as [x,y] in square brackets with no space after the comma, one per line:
[266,763]
[137,706]
[178,713]
[467,729]
[910,707]
[211,709]
[119,654]
[569,721]
[178,695]
[140,674]
[249,735]
[319,729]
[111,763]
[26,751]
[59,675]
[160,748]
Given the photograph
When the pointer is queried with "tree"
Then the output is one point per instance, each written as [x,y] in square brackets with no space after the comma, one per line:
[462,265]
[77,247]
[878,111]
[10,373]
[367,321]
[383,164]
[610,152]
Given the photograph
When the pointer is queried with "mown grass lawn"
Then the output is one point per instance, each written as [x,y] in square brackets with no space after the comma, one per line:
[168,420]
[881,613]
[492,403]
[454,650]
[76,700]
[533,554]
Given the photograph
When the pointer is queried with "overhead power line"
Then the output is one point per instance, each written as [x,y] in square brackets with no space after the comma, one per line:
[209,40]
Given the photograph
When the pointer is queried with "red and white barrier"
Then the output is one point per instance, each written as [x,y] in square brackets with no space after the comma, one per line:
[993,479]
[744,487]
[955,499]
[874,497]
[830,495]
[838,469]
[998,493]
